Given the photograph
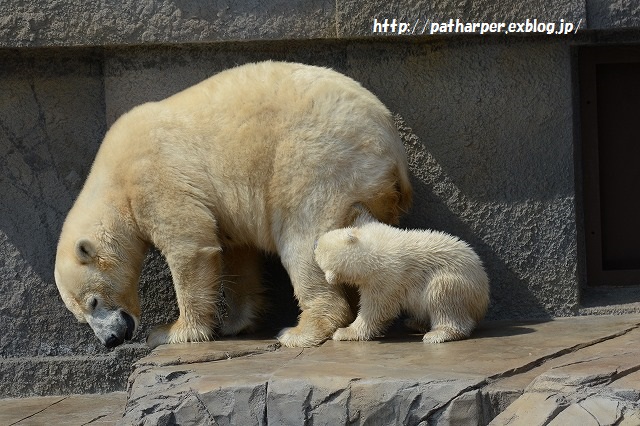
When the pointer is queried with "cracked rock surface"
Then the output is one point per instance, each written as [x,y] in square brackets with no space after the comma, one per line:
[584,368]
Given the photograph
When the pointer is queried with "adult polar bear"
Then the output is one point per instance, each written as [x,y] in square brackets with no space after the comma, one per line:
[262,157]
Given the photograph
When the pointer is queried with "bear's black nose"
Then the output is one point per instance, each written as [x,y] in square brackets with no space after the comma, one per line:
[113,341]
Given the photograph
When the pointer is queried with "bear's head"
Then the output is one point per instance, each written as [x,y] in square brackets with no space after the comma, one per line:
[339,255]
[97,277]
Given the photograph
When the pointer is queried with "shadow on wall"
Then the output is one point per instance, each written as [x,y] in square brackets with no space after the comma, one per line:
[440,205]
[51,119]
[493,162]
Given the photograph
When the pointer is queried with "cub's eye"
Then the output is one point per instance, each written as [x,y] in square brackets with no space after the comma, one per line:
[94,303]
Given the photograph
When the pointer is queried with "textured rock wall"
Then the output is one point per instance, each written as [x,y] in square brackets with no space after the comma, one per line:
[26,23]
[79,23]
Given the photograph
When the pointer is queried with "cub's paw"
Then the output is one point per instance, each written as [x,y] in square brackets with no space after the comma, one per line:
[295,337]
[442,335]
[348,333]
[178,332]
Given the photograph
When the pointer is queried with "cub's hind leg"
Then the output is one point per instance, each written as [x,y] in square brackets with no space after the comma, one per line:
[450,316]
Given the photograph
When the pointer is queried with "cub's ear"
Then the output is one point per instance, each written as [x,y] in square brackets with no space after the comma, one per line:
[85,250]
[352,235]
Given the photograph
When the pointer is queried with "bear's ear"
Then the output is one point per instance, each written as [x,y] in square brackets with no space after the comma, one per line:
[85,250]
[352,235]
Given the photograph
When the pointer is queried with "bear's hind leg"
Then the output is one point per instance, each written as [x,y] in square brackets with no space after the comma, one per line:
[324,307]
[243,291]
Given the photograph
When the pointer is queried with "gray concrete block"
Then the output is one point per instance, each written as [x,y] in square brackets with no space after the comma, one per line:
[76,23]
[51,121]
[79,23]
[78,374]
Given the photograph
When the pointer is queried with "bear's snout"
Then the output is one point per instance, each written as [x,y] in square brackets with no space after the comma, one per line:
[111,326]
[113,341]
[118,336]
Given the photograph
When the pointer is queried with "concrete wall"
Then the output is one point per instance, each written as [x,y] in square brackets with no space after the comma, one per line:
[488,122]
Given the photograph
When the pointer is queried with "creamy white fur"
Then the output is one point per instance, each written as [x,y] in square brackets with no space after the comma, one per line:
[437,279]
[263,157]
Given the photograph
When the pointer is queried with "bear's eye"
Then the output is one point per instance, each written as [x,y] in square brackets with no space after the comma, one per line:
[94,303]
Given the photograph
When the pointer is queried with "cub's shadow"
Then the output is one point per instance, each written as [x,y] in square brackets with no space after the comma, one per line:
[398,332]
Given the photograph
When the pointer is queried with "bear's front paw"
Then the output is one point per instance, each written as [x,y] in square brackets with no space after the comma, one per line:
[178,332]
[348,333]
[295,337]
[158,336]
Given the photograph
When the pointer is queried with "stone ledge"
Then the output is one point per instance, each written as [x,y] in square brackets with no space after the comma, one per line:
[79,23]
[571,364]
[54,375]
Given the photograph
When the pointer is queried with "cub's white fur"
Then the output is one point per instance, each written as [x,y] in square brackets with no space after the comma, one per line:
[436,278]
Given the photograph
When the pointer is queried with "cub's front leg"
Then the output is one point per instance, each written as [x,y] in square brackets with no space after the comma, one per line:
[377,309]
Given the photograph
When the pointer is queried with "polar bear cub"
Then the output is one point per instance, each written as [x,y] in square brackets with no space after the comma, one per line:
[436,278]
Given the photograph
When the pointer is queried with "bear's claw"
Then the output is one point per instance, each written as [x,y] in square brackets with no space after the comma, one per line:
[177,333]
[292,337]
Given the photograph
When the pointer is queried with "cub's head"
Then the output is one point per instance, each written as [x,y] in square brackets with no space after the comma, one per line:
[98,283]
[340,255]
